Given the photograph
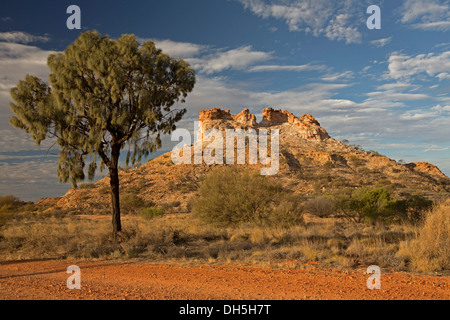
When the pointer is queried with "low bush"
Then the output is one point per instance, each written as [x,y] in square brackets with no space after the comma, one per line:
[228,196]
[151,212]
[131,203]
[321,206]
[416,207]
[376,205]
[170,207]
[10,203]
[9,206]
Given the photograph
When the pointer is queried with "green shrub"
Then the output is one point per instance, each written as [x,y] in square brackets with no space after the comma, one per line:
[228,196]
[132,203]
[151,212]
[376,204]
[287,212]
[417,206]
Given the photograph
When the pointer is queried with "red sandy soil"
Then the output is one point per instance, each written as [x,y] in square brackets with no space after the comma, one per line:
[30,280]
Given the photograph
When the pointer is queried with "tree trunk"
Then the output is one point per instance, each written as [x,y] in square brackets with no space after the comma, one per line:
[114,181]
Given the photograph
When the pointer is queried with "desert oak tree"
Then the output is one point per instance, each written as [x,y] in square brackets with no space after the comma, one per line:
[103,95]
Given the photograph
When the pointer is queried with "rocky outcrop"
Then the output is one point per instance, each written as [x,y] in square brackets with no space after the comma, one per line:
[214,114]
[426,168]
[245,118]
[306,126]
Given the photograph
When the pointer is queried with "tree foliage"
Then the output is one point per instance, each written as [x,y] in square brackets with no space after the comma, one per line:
[103,95]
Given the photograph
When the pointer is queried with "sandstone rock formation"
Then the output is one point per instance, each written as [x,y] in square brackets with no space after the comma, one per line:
[307,126]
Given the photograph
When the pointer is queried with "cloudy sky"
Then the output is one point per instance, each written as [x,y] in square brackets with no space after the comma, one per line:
[386,89]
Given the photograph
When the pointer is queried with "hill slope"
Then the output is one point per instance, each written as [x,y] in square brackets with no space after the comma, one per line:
[311,163]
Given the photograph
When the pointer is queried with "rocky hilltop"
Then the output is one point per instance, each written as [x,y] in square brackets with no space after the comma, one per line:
[306,126]
[311,163]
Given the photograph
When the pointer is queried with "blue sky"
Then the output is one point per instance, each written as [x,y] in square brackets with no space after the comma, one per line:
[386,89]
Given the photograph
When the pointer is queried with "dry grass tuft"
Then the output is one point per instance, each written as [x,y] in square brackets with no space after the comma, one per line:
[429,250]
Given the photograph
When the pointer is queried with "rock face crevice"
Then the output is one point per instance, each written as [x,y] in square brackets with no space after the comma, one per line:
[306,125]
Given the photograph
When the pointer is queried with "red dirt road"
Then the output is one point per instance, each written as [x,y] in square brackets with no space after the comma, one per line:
[113,280]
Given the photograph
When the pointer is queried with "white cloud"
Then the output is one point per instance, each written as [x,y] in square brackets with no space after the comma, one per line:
[175,48]
[434,65]
[379,43]
[439,109]
[426,14]
[295,68]
[397,96]
[16,61]
[415,9]
[395,86]
[443,44]
[443,76]
[315,98]
[437,26]
[12,140]
[337,20]
[379,103]
[339,28]
[434,148]
[307,13]
[31,180]
[395,92]
[209,60]
[417,115]
[22,37]
[336,76]
[365,69]
[237,59]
